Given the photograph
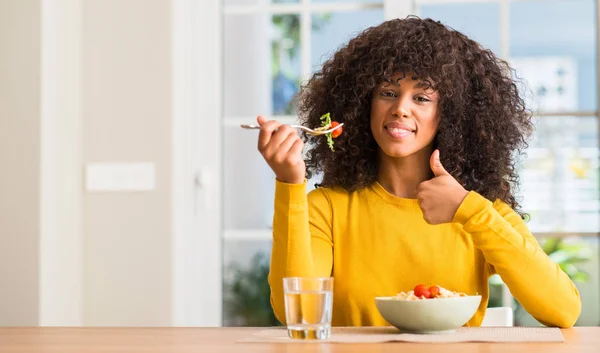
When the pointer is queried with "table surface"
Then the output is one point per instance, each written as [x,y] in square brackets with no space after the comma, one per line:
[223,340]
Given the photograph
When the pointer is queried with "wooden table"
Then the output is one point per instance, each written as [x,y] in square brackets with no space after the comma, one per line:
[222,340]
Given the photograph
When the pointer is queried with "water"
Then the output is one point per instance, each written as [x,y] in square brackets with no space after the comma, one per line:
[308,314]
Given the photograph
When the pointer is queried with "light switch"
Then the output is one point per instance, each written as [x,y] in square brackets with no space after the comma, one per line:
[106,177]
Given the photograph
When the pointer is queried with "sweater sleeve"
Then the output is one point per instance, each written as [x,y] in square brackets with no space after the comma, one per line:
[302,239]
[544,290]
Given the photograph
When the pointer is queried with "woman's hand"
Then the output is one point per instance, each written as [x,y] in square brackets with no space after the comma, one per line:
[440,197]
[281,147]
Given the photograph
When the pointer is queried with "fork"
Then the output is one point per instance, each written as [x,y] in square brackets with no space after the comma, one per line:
[304,128]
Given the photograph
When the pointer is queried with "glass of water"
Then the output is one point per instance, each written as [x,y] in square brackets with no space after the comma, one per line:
[308,306]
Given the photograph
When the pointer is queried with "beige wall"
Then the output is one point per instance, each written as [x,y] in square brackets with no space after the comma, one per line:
[126,118]
[68,256]
[20,160]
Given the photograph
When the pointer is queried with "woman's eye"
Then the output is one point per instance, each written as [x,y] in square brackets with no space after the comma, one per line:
[422,99]
[388,94]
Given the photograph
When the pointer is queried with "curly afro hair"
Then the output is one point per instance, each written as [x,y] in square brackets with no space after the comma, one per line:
[483,121]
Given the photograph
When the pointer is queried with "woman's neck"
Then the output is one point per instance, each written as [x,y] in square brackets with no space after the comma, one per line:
[401,176]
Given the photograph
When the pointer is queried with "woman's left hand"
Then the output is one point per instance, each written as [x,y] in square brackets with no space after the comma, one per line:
[440,197]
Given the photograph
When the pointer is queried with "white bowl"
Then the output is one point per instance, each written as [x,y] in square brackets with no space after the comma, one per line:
[428,315]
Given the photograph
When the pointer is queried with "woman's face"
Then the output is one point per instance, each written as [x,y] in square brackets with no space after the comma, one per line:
[404,116]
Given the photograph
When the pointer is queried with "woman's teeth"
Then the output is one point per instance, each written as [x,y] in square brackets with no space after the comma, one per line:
[397,132]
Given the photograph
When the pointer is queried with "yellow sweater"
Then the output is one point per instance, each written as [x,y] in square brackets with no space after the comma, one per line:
[376,244]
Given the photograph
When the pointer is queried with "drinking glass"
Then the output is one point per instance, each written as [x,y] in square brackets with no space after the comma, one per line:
[308,306]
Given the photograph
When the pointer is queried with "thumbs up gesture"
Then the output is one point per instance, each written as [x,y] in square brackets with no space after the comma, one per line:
[440,197]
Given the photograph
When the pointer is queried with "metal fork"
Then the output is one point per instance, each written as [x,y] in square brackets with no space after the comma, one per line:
[304,128]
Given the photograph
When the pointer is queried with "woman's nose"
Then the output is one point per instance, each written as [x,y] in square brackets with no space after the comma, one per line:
[402,108]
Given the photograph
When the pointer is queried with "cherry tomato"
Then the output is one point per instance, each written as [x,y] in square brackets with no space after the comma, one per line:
[337,132]
[421,290]
[434,291]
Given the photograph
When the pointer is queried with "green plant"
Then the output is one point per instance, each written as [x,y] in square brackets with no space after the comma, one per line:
[247,294]
[569,257]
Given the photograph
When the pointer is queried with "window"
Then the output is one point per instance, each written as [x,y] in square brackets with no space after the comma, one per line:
[553,47]
[271,47]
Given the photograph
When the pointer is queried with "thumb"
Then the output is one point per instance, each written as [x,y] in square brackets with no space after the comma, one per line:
[436,165]
[261,120]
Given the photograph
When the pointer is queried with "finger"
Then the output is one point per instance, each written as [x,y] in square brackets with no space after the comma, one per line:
[296,149]
[266,131]
[436,164]
[287,144]
[420,198]
[283,154]
[261,120]
[282,133]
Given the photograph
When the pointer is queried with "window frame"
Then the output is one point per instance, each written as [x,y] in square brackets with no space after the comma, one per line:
[201,282]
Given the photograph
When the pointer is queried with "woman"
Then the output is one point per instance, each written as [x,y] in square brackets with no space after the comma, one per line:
[420,188]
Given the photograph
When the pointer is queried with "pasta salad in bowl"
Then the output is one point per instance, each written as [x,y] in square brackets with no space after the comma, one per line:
[428,309]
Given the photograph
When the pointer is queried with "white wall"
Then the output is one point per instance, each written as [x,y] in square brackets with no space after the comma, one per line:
[60,292]
[85,81]
[196,157]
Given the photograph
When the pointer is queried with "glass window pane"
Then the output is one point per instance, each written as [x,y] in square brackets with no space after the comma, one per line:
[258,2]
[582,265]
[261,64]
[352,1]
[248,182]
[559,177]
[285,63]
[332,30]
[553,47]
[246,300]
[478,21]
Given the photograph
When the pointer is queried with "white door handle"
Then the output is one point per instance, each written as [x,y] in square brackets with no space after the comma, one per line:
[203,182]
